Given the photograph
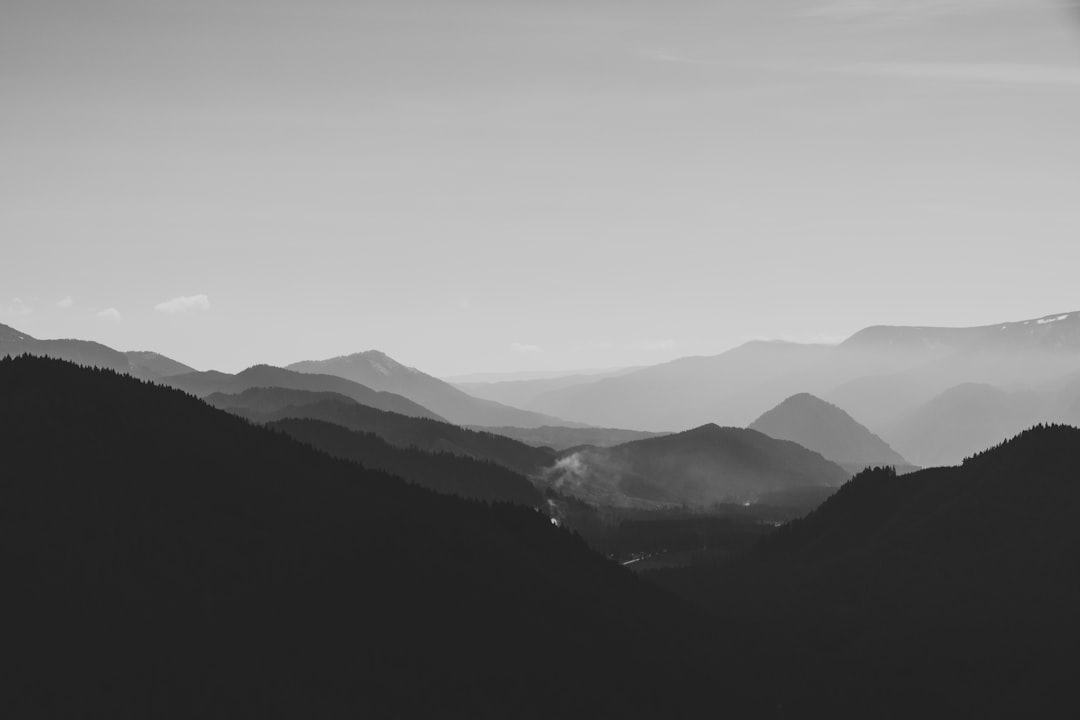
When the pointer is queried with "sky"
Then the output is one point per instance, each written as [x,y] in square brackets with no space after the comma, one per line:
[498,185]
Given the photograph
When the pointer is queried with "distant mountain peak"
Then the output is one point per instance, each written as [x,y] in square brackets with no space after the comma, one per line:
[826,429]
[10,334]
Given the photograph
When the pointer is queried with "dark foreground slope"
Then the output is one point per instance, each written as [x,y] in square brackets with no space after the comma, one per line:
[161,558]
[272,404]
[950,591]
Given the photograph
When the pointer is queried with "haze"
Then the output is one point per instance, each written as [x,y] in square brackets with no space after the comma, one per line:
[491,185]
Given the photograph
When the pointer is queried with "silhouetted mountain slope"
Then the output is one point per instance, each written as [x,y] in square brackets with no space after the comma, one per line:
[272,404]
[964,420]
[381,372]
[148,364]
[952,588]
[828,430]
[443,472]
[564,438]
[266,376]
[707,465]
[164,559]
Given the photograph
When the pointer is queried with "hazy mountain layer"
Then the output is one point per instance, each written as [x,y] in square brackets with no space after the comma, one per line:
[381,372]
[266,376]
[707,465]
[273,404]
[828,430]
[875,375]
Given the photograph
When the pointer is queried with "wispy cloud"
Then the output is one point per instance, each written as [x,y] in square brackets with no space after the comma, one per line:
[525,348]
[17,308]
[110,314]
[650,345]
[908,10]
[183,304]
[65,302]
[995,73]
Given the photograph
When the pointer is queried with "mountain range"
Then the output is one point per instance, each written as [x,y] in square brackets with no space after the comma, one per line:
[381,372]
[875,375]
[165,559]
[206,383]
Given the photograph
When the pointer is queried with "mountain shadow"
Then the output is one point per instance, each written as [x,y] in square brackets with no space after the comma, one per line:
[826,429]
[273,404]
[165,559]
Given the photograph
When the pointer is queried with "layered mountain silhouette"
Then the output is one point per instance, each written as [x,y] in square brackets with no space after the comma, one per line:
[444,472]
[267,376]
[828,430]
[699,467]
[893,369]
[523,392]
[162,558]
[381,372]
[268,405]
[952,588]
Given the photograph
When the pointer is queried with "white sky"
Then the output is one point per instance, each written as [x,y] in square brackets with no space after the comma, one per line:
[477,185]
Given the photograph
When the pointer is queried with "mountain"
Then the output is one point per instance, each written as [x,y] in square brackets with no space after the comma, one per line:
[166,559]
[1054,333]
[564,438]
[828,430]
[897,367]
[83,352]
[381,372]
[699,467]
[953,588]
[964,420]
[266,376]
[269,405]
[151,364]
[145,365]
[443,472]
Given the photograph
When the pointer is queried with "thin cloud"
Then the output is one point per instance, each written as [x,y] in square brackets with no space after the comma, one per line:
[17,308]
[664,344]
[110,314]
[184,304]
[907,10]
[525,348]
[993,73]
[65,302]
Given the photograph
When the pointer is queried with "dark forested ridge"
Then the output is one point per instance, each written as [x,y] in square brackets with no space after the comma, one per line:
[163,558]
[442,471]
[272,404]
[953,589]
